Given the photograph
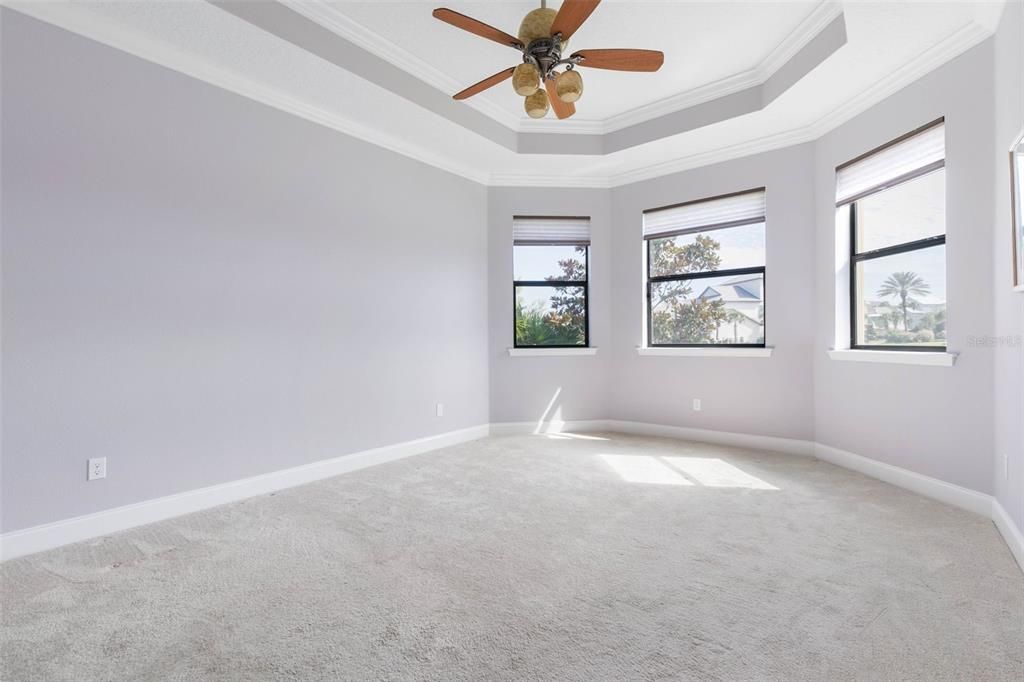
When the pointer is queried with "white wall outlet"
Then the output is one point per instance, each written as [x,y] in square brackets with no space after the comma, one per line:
[97,468]
[440,409]
[696,404]
[1006,467]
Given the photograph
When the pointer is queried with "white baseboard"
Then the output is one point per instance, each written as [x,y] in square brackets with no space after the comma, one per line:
[744,440]
[1010,532]
[50,535]
[542,427]
[791,446]
[965,498]
[958,496]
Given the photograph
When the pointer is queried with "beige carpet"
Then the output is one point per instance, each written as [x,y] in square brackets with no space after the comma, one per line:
[598,557]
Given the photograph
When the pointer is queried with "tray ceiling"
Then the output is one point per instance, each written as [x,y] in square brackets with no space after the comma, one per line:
[705,44]
[888,46]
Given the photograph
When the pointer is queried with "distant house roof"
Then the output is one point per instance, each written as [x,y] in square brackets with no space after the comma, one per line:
[742,288]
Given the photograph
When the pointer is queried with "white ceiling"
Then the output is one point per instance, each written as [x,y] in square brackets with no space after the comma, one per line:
[889,45]
[703,43]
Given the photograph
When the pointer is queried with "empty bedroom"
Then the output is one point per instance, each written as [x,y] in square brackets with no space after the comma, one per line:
[511,340]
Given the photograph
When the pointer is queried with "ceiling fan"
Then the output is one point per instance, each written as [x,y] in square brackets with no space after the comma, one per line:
[543,36]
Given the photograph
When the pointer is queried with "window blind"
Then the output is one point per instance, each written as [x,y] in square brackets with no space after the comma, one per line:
[909,157]
[743,208]
[527,231]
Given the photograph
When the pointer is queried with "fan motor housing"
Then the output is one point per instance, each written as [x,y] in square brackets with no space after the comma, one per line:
[544,53]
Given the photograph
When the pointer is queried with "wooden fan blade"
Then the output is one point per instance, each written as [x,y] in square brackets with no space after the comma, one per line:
[488,82]
[561,109]
[622,60]
[478,27]
[571,16]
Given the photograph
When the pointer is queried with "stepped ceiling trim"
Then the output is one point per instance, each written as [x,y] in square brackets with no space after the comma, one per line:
[327,15]
[322,30]
[67,17]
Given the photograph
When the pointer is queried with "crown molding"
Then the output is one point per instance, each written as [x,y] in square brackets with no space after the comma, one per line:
[70,17]
[557,181]
[689,162]
[813,24]
[942,52]
[823,14]
[67,17]
[706,158]
[953,46]
[338,23]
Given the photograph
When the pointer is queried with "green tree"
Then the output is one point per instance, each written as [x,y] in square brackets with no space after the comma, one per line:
[904,285]
[564,324]
[568,305]
[934,321]
[735,317]
[534,327]
[677,317]
[670,258]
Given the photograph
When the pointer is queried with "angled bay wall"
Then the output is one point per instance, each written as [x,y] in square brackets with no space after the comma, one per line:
[935,421]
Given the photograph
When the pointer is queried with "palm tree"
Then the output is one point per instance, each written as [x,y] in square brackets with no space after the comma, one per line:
[905,285]
[735,317]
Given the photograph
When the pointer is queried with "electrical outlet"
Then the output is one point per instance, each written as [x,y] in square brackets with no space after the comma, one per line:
[97,468]
[1006,467]
[440,409]
[696,404]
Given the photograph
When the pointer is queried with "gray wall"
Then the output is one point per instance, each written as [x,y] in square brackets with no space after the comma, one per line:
[772,397]
[533,389]
[936,421]
[1009,306]
[748,395]
[201,288]
[932,420]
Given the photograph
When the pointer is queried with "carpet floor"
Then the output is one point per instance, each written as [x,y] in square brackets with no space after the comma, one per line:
[589,557]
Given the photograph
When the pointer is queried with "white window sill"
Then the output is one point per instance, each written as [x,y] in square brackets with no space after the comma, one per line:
[717,352]
[550,352]
[899,357]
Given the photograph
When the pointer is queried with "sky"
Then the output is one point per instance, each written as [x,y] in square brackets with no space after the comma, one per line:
[907,212]
[541,262]
[913,210]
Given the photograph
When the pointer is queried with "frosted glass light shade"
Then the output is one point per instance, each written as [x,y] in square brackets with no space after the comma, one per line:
[537,104]
[537,24]
[525,79]
[569,86]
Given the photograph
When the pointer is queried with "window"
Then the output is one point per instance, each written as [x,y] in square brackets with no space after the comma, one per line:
[706,272]
[550,266]
[894,200]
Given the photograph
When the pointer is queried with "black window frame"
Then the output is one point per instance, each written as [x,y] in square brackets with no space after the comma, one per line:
[705,274]
[516,283]
[891,250]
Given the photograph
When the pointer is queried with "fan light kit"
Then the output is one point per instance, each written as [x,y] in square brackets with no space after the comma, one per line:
[543,37]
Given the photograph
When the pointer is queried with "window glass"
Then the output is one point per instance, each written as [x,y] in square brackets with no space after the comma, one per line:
[724,249]
[550,316]
[894,200]
[908,212]
[548,262]
[900,300]
[708,310]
